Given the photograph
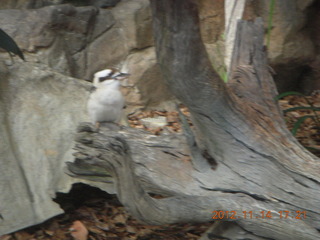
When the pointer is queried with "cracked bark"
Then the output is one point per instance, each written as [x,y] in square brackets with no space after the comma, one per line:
[260,166]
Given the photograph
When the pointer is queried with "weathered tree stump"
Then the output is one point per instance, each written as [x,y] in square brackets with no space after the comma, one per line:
[264,181]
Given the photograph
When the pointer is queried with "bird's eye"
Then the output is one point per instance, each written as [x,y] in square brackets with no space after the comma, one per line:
[101,79]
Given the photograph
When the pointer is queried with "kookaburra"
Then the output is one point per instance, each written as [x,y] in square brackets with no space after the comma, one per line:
[106,102]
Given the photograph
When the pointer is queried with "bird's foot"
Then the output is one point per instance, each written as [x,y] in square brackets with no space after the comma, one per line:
[97,125]
[86,127]
[111,126]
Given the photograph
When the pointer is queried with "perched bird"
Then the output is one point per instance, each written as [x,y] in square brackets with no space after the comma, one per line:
[106,101]
[8,44]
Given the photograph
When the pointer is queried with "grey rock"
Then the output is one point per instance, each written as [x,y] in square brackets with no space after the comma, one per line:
[145,86]
[155,122]
[291,48]
[134,18]
[39,112]
[79,40]
[107,50]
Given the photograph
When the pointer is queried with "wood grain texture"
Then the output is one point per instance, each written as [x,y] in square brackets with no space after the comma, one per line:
[260,166]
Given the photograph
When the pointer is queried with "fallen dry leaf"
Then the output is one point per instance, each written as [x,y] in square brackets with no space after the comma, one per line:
[79,231]
[5,237]
[120,219]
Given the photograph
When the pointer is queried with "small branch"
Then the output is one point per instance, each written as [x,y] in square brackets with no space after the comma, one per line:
[198,160]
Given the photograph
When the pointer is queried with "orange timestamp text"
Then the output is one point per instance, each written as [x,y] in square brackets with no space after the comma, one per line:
[262,214]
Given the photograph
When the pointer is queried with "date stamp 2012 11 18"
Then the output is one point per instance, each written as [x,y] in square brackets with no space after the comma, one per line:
[262,215]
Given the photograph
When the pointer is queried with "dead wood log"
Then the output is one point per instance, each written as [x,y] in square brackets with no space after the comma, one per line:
[261,169]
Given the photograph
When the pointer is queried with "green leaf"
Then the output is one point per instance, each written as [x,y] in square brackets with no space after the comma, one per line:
[225,76]
[301,108]
[299,122]
[291,93]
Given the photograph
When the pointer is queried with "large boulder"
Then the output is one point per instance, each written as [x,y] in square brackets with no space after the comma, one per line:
[292,48]
[145,87]
[50,35]
[39,112]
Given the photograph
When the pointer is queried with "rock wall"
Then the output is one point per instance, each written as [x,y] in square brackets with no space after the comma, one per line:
[78,41]
[292,48]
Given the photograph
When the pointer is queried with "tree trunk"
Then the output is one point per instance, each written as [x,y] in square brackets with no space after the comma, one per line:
[261,174]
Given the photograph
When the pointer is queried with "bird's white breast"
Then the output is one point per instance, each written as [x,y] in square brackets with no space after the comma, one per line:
[105,104]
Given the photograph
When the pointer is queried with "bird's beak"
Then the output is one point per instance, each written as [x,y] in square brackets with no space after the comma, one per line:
[123,76]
